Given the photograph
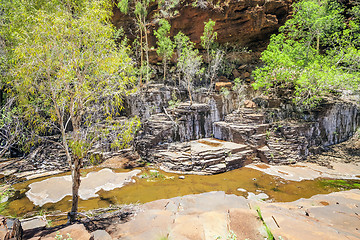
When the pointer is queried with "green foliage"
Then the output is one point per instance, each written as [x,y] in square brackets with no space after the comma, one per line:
[125,133]
[293,59]
[12,129]
[5,193]
[164,238]
[153,176]
[230,236]
[60,237]
[140,11]
[315,20]
[123,5]
[268,231]
[209,36]
[167,7]
[174,102]
[224,91]
[214,56]
[341,184]
[165,45]
[59,64]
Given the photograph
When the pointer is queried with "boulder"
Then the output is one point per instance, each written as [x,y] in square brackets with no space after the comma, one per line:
[236,73]
[220,85]
[76,231]
[3,227]
[32,223]
[100,235]
[249,104]
[10,229]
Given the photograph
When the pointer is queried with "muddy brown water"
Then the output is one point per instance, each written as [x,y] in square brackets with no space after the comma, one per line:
[146,190]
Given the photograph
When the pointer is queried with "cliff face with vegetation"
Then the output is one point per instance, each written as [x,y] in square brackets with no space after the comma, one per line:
[247,23]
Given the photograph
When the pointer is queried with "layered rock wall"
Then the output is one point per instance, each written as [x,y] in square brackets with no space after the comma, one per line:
[276,132]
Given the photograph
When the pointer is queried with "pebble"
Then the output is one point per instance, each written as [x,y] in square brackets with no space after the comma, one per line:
[241,190]
[258,197]
[181,177]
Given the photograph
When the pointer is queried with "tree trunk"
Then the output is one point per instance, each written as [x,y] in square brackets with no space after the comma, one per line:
[209,74]
[164,68]
[141,54]
[147,53]
[1,96]
[75,189]
[317,42]
[189,90]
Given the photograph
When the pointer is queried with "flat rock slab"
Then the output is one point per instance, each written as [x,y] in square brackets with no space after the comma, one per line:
[309,171]
[333,216]
[216,215]
[191,217]
[54,189]
[213,144]
[32,223]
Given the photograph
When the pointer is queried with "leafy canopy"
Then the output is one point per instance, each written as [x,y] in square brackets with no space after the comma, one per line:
[166,46]
[293,58]
[66,66]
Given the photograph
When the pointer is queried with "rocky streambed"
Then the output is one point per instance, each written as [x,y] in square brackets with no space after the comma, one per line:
[237,194]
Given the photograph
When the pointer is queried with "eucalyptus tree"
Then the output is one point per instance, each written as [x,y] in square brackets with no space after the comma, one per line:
[166,46]
[140,10]
[69,74]
[213,57]
[314,21]
[188,62]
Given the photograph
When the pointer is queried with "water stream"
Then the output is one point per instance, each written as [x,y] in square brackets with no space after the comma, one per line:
[168,185]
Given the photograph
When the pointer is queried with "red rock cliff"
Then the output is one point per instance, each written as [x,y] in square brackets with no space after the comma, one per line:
[248,23]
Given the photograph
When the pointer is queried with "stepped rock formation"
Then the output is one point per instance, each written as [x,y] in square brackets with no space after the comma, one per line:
[271,131]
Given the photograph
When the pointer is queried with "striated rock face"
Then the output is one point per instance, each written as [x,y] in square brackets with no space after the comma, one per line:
[204,156]
[289,142]
[272,129]
[181,123]
[151,100]
[193,121]
[338,122]
[246,22]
